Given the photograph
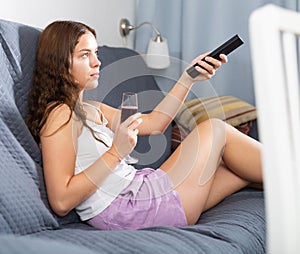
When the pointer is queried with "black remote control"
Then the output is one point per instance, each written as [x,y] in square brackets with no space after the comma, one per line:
[225,48]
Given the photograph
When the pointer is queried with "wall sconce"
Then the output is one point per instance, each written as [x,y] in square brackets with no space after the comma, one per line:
[157,56]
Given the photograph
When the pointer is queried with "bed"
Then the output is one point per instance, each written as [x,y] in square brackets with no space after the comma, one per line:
[27,224]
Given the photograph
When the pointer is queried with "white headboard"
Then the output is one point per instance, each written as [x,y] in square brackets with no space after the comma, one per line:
[274,34]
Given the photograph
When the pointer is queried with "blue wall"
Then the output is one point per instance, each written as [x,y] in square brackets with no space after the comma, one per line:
[193,27]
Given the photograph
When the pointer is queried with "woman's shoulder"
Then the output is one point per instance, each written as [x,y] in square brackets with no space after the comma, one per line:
[59,115]
[58,111]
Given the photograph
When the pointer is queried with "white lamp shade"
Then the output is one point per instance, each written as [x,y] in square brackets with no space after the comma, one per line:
[158,54]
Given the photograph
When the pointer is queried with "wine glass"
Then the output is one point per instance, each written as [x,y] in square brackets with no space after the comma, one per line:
[129,107]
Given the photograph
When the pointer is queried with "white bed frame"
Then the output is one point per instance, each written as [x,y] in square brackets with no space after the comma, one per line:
[274,37]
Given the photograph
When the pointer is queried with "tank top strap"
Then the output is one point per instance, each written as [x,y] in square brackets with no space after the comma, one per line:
[101,115]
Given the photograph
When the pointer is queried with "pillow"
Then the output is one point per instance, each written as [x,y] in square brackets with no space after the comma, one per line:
[230,109]
[24,208]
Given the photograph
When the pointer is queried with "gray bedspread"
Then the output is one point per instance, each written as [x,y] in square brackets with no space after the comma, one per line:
[234,226]
[27,224]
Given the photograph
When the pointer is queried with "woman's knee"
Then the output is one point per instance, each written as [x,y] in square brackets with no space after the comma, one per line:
[216,127]
[212,122]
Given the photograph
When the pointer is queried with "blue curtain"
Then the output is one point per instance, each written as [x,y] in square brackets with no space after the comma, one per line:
[193,27]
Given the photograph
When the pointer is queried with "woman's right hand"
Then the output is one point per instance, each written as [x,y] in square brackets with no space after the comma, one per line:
[125,138]
[209,66]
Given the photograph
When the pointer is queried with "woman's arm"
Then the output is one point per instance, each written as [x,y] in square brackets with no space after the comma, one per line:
[159,119]
[59,145]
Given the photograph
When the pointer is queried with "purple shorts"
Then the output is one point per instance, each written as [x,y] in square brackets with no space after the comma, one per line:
[148,201]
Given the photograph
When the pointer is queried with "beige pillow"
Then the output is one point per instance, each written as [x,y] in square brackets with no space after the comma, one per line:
[232,110]
[228,108]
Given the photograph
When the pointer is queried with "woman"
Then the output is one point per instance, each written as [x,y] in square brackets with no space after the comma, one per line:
[83,144]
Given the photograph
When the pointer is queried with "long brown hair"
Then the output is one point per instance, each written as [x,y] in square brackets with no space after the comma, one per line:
[53,85]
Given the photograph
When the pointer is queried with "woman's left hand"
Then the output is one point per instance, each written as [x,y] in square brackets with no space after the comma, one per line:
[208,70]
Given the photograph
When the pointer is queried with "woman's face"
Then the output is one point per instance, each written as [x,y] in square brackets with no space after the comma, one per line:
[85,64]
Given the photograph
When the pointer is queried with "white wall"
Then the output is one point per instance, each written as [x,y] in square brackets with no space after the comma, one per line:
[102,15]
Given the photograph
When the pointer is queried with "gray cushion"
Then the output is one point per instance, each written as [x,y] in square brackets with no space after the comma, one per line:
[17,51]
[20,157]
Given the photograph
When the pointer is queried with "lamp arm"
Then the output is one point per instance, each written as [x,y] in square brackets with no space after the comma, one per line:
[158,53]
[125,27]
[151,24]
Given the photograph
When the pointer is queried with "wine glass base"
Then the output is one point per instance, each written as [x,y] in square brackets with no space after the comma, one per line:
[131,160]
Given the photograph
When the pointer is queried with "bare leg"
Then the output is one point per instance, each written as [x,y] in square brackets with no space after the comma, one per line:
[242,155]
[225,183]
[192,167]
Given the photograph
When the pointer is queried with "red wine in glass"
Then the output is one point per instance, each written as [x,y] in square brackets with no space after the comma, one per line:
[127,111]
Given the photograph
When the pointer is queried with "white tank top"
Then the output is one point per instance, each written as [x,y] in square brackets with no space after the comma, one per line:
[88,151]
